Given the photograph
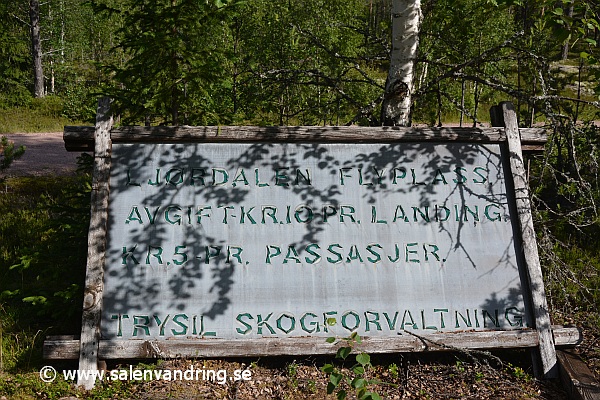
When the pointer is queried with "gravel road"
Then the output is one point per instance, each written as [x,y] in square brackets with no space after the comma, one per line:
[45,154]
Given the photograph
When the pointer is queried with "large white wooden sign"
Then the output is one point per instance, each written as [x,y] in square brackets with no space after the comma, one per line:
[251,241]
[242,241]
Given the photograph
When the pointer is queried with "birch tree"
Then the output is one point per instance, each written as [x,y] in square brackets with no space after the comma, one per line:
[406,21]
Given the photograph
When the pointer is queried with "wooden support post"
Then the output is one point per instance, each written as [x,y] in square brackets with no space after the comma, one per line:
[92,300]
[529,243]
[577,379]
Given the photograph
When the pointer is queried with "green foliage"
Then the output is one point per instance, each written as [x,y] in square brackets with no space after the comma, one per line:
[520,373]
[41,115]
[297,63]
[356,379]
[79,104]
[14,58]
[566,194]
[30,386]
[252,62]
[42,257]
[8,153]
[81,40]
[455,40]
[308,62]
[173,58]
[394,370]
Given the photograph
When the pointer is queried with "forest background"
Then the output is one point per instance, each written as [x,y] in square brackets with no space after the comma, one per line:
[309,62]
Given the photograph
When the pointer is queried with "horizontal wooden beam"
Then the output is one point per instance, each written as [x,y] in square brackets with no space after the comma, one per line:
[81,138]
[67,348]
[578,381]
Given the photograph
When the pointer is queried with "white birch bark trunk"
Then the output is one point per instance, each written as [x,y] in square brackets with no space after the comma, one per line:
[406,22]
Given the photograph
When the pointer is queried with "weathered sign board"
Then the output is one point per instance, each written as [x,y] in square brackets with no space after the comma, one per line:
[236,241]
[264,241]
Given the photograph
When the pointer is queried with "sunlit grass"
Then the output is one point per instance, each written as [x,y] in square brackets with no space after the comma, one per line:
[42,115]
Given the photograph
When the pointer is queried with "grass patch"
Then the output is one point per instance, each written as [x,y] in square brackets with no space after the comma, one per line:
[43,236]
[42,115]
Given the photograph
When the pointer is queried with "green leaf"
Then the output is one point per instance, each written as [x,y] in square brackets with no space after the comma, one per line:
[331,321]
[343,352]
[327,368]
[361,393]
[363,359]
[330,339]
[35,300]
[562,34]
[359,370]
[558,11]
[371,396]
[330,388]
[335,378]
[9,293]
[341,395]
[592,23]
[358,383]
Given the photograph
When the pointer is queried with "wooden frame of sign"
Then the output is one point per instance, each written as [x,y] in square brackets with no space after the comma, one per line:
[148,334]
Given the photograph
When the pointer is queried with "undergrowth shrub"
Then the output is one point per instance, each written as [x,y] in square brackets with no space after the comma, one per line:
[43,248]
[566,196]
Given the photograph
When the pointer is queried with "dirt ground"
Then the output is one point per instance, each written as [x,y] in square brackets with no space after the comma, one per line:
[45,154]
[442,376]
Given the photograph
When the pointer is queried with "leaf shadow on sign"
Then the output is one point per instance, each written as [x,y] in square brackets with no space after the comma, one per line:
[196,275]
[505,312]
[446,170]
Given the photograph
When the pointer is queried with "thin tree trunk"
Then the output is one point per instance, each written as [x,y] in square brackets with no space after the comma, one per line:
[518,86]
[566,48]
[477,91]
[406,22]
[175,74]
[476,101]
[532,110]
[36,49]
[51,77]
[439,105]
[462,102]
